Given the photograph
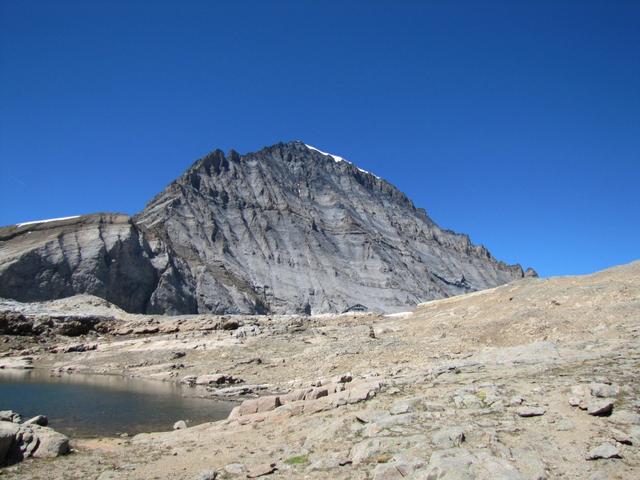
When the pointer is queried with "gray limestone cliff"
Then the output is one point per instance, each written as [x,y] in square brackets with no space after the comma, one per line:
[283,230]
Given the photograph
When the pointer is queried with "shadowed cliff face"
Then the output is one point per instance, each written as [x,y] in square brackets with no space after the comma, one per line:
[102,254]
[287,229]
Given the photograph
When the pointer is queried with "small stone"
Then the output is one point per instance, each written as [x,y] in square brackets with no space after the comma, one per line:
[621,437]
[180,425]
[602,390]
[230,325]
[189,380]
[398,408]
[262,470]
[372,333]
[606,450]
[234,468]
[344,378]
[600,407]
[579,391]
[530,411]
[38,420]
[575,401]
[206,475]
[516,400]
[316,393]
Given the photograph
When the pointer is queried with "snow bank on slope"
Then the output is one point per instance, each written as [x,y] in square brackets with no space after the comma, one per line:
[48,220]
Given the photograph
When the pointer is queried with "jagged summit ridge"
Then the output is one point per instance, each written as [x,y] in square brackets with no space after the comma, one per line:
[286,229]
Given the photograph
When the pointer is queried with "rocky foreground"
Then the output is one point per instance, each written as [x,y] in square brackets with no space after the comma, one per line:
[531,380]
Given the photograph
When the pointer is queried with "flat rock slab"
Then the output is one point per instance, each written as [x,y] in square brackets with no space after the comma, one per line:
[262,470]
[606,450]
[530,411]
[448,437]
[621,437]
[600,407]
[603,390]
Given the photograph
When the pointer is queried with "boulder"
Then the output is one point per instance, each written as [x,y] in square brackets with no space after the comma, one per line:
[621,437]
[10,416]
[180,425]
[606,450]
[600,407]
[50,443]
[8,432]
[603,390]
[530,411]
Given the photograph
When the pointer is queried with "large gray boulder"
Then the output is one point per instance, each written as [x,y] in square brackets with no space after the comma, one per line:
[8,432]
[283,230]
[20,441]
[50,443]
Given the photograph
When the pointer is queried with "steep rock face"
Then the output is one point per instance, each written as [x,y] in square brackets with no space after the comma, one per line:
[291,229]
[287,229]
[101,254]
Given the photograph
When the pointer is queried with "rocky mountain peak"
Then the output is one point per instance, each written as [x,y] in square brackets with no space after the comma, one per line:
[286,229]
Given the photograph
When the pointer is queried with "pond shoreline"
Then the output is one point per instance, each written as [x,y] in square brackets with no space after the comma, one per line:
[107,405]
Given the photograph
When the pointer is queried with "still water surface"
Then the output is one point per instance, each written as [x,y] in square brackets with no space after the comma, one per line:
[97,405]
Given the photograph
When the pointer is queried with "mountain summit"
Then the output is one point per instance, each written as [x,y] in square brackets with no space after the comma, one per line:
[286,229]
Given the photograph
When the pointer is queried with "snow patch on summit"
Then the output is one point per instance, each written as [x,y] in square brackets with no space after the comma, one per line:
[338,158]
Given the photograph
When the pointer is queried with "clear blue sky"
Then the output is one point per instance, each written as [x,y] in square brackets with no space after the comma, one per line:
[516,122]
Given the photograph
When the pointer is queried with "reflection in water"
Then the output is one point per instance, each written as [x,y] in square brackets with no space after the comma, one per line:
[101,405]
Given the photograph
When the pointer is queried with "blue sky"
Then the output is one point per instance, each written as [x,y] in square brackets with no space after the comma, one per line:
[515,122]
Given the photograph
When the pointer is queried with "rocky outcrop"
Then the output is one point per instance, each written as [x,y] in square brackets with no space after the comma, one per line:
[16,323]
[103,255]
[287,229]
[313,399]
[30,439]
